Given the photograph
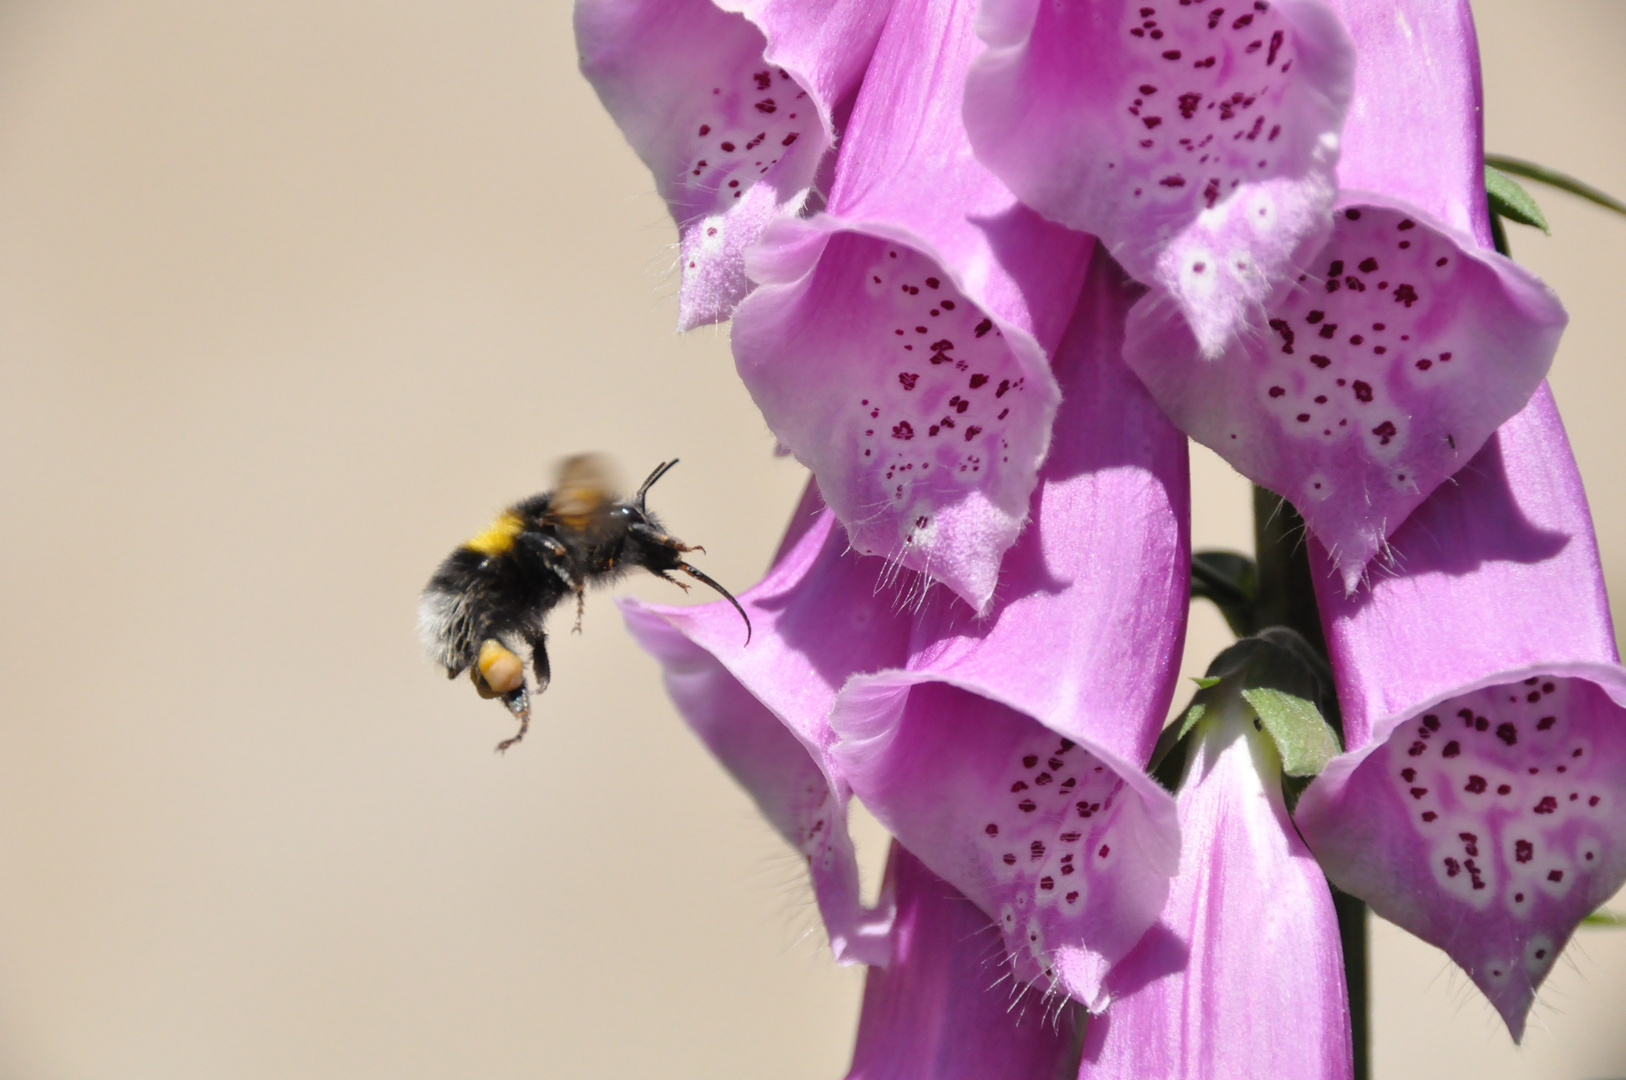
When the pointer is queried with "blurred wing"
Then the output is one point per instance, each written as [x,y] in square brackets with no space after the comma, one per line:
[586,484]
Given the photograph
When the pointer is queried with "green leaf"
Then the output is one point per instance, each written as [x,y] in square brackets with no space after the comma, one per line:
[1553,178]
[1280,678]
[1604,918]
[1304,740]
[1511,201]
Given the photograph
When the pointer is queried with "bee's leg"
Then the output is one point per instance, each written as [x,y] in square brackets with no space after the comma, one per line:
[539,660]
[520,704]
[557,559]
[664,576]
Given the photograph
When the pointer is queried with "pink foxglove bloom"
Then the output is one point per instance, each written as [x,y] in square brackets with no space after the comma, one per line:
[1243,976]
[1196,140]
[897,344]
[1005,752]
[937,1011]
[1381,368]
[764,709]
[1480,806]
[732,106]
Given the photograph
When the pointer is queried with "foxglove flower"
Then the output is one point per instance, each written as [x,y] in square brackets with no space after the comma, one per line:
[1196,140]
[897,344]
[944,1007]
[1382,367]
[765,712]
[1243,976]
[1005,752]
[1480,806]
[733,106]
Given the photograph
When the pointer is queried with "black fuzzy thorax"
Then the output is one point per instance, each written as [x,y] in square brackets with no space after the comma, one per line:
[508,595]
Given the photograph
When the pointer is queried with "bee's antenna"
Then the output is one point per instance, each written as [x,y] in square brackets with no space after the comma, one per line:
[660,470]
[704,580]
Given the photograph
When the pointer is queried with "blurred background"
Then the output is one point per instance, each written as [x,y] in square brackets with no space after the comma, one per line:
[293,296]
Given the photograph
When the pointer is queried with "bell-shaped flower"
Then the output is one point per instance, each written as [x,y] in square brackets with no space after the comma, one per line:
[1483,803]
[1197,141]
[1480,806]
[764,710]
[898,343]
[945,1007]
[1242,978]
[1382,367]
[1005,751]
[733,106]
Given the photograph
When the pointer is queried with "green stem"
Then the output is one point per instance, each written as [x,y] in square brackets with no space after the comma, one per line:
[1286,597]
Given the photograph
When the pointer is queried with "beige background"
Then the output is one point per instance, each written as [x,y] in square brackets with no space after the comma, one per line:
[292,296]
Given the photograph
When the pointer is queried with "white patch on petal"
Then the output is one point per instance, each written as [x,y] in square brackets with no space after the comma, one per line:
[1503,795]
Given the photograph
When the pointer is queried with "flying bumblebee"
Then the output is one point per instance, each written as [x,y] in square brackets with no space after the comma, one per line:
[491,596]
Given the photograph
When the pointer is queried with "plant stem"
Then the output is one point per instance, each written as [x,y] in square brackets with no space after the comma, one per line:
[1286,597]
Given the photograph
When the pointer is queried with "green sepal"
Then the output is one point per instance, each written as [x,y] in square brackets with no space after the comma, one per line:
[1509,200]
[1304,740]
[1553,178]
[1604,918]
[1281,679]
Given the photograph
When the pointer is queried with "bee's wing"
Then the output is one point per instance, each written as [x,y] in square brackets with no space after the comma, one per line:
[587,483]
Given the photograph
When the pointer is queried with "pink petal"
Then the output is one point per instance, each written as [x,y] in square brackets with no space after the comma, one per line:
[1377,374]
[1007,753]
[944,1009]
[786,782]
[1243,976]
[1414,130]
[1483,803]
[897,345]
[763,709]
[731,112]
[1177,133]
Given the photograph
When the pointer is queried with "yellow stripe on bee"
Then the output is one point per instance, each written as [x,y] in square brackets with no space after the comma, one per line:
[499,536]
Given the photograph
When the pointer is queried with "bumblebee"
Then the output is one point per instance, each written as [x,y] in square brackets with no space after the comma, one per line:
[492,595]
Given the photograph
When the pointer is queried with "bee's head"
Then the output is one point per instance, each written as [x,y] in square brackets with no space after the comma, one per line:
[652,547]
[646,543]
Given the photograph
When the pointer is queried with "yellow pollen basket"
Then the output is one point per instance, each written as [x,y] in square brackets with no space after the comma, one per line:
[500,668]
[498,537]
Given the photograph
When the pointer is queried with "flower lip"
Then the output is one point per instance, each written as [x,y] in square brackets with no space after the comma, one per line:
[732,107]
[923,415]
[1375,376]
